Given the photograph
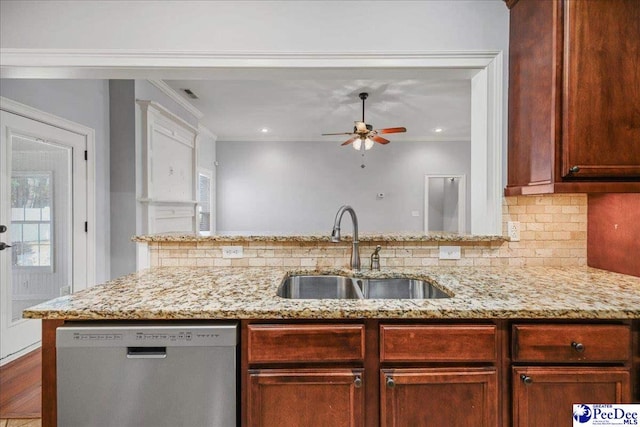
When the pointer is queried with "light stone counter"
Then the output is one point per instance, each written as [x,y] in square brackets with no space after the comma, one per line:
[250,293]
[326,237]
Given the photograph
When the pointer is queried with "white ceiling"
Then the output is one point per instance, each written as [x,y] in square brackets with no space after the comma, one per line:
[300,106]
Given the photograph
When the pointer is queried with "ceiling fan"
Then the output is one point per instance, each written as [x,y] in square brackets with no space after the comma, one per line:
[364,134]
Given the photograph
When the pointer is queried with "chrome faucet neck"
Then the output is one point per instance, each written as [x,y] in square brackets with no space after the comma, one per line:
[335,234]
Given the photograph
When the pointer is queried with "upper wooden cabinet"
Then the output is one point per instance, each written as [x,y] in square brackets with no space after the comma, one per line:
[574,96]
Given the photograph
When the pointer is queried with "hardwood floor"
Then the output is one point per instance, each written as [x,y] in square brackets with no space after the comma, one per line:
[21,422]
[21,391]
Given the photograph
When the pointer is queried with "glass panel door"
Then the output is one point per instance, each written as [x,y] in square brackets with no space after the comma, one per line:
[43,185]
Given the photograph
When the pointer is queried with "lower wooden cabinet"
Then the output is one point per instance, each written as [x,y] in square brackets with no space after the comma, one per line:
[305,397]
[452,397]
[544,396]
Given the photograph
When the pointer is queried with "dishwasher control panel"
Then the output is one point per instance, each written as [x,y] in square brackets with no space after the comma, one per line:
[174,335]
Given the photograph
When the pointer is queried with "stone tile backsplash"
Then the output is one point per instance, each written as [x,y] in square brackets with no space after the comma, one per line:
[553,232]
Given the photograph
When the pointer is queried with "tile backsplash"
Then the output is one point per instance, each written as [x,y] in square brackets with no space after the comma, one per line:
[553,232]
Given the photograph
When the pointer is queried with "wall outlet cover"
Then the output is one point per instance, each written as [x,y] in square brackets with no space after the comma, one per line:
[513,230]
[449,252]
[232,252]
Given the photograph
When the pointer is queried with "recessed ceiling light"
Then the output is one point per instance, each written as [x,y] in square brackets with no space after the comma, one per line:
[438,130]
[264,130]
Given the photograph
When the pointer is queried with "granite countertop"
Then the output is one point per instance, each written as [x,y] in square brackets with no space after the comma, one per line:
[250,293]
[326,237]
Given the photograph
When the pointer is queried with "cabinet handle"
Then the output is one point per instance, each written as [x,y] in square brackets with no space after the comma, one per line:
[578,346]
[574,169]
[526,379]
[390,382]
[357,382]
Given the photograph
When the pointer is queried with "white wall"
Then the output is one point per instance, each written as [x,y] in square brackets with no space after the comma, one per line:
[297,187]
[85,102]
[271,26]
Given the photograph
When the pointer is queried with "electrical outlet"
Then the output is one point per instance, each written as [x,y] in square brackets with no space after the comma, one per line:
[513,230]
[415,213]
[232,252]
[449,252]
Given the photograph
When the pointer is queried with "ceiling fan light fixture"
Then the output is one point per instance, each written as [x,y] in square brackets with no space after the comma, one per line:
[368,143]
[357,144]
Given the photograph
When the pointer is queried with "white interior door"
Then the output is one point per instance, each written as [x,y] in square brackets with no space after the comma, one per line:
[445,203]
[43,188]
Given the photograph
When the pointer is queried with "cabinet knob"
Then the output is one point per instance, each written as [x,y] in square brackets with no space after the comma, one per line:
[574,169]
[578,346]
[357,382]
[526,379]
[390,382]
[4,246]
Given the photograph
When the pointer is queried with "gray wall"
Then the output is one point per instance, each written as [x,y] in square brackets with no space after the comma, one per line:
[85,102]
[123,176]
[297,187]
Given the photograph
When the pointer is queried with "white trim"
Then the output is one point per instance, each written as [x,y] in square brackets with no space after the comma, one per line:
[127,58]
[88,133]
[462,200]
[176,97]
[202,129]
[166,113]
[18,354]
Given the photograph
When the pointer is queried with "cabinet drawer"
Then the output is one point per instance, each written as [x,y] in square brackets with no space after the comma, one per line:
[571,343]
[435,343]
[305,343]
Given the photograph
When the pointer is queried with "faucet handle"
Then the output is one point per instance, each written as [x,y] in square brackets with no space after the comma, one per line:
[375,258]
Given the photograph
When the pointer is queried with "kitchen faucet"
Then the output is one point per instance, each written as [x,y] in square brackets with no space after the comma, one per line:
[335,234]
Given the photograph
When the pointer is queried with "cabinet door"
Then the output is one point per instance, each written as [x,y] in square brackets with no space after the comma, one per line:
[439,397]
[305,397]
[601,126]
[545,396]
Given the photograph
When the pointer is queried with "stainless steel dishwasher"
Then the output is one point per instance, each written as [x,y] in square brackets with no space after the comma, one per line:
[168,374]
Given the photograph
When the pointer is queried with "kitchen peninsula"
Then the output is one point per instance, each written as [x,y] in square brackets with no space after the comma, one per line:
[504,335]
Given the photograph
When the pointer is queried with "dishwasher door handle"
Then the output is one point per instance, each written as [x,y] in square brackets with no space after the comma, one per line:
[146,352]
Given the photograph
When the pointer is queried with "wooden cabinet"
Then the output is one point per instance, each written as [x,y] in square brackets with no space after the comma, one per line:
[375,373]
[544,396]
[436,375]
[453,397]
[305,375]
[558,365]
[574,96]
[305,397]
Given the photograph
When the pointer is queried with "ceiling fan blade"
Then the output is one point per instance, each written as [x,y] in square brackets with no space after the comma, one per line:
[379,139]
[392,130]
[361,127]
[339,133]
[350,140]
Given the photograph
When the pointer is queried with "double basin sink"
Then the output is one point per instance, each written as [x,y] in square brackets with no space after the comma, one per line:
[341,287]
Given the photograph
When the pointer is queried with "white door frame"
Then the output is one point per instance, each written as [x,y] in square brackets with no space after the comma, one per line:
[87,134]
[487,84]
[462,200]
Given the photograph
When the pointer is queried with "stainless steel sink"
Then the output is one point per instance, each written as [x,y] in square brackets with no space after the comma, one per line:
[319,287]
[399,288]
[340,287]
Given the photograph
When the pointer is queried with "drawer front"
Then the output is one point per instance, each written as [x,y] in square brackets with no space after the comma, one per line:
[305,343]
[435,343]
[571,343]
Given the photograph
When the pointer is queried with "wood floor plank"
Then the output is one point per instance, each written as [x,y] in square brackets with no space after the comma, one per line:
[21,388]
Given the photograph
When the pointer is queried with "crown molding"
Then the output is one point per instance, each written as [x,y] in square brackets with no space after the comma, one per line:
[124,58]
[176,97]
